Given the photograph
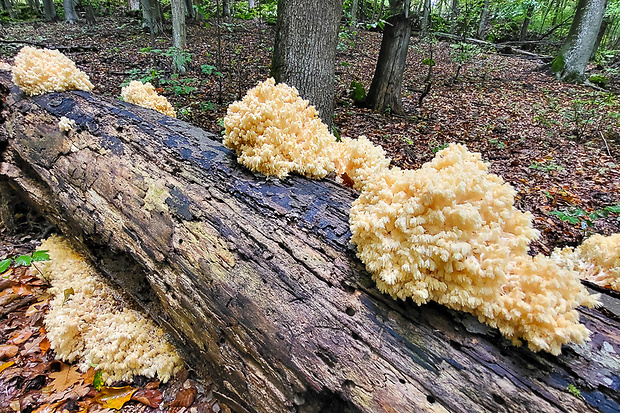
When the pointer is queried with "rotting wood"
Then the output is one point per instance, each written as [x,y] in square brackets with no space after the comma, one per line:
[501,48]
[256,280]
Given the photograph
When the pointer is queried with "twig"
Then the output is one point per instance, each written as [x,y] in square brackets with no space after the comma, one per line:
[606,145]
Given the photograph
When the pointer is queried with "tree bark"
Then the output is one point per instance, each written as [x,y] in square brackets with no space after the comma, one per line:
[257,280]
[385,89]
[571,61]
[483,23]
[304,54]
[49,10]
[526,22]
[70,14]
[151,16]
[133,5]
[179,35]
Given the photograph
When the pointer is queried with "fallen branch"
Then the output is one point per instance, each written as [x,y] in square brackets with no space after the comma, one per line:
[69,49]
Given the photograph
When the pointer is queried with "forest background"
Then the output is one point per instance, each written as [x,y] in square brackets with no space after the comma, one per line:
[476,72]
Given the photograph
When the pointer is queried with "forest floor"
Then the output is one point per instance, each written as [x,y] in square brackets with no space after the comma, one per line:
[557,144]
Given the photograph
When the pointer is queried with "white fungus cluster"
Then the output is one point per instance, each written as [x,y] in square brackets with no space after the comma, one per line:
[359,159]
[65,124]
[38,71]
[89,325]
[275,132]
[145,95]
[449,233]
[597,260]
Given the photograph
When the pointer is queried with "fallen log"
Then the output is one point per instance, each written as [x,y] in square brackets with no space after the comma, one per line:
[256,280]
[502,48]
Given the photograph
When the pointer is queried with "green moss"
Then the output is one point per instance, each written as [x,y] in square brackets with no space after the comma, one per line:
[574,391]
[598,80]
[358,93]
[557,65]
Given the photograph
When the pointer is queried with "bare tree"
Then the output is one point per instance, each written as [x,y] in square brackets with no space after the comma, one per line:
[49,10]
[304,54]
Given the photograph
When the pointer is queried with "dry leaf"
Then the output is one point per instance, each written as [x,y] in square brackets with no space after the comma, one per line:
[8,351]
[185,398]
[22,289]
[89,376]
[151,398]
[15,405]
[65,378]
[20,336]
[32,347]
[114,397]
[44,345]
[37,307]
[48,408]
[6,365]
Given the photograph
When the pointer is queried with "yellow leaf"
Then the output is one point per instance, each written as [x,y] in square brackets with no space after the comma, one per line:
[6,365]
[114,397]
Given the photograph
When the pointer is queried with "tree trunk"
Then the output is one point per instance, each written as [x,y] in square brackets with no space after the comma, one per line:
[304,54]
[151,16]
[133,5]
[251,4]
[257,281]
[571,61]
[386,86]
[226,8]
[354,5]
[189,9]
[599,36]
[484,17]
[426,16]
[70,14]
[179,34]
[36,6]
[8,6]
[49,10]
[526,22]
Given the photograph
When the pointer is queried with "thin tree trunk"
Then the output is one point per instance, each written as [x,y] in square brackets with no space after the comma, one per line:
[70,14]
[484,16]
[454,13]
[386,87]
[426,14]
[151,15]
[354,5]
[526,22]
[49,10]
[304,54]
[133,5]
[179,33]
[226,7]
[8,6]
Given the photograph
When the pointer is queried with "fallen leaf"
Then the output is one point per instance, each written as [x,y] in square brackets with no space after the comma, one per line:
[22,289]
[65,378]
[44,345]
[114,397]
[48,408]
[8,351]
[20,336]
[37,307]
[151,398]
[15,405]
[185,398]
[32,347]
[89,375]
[152,385]
[6,365]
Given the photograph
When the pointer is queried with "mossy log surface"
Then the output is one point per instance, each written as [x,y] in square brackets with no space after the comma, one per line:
[256,280]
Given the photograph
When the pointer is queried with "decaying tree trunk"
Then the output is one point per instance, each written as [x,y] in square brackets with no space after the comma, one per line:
[256,280]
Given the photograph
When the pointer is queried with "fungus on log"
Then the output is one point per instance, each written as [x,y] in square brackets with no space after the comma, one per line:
[257,281]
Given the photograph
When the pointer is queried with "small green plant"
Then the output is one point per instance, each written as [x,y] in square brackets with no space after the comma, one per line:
[546,166]
[497,143]
[345,39]
[436,146]
[598,80]
[23,260]
[153,76]
[578,216]
[179,86]
[206,106]
[574,391]
[209,70]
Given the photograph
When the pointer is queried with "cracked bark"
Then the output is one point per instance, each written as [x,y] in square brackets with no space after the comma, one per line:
[256,280]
